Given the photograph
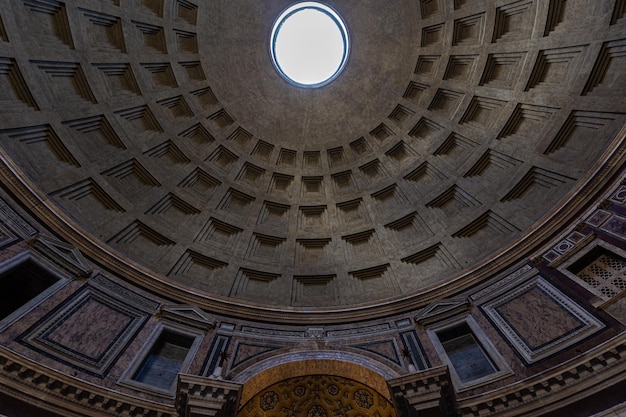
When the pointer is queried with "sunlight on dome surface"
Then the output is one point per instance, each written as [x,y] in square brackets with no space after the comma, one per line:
[309,44]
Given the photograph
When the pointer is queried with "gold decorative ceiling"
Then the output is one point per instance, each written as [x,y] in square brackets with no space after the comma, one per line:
[318,396]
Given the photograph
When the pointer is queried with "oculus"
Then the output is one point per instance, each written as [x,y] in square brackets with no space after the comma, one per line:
[309,44]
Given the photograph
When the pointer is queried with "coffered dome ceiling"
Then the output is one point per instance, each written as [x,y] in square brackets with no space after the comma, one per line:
[168,145]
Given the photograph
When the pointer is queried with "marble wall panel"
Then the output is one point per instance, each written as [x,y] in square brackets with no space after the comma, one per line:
[89,330]
[539,320]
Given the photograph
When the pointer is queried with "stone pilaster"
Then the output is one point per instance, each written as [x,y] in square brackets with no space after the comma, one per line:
[428,391]
[199,396]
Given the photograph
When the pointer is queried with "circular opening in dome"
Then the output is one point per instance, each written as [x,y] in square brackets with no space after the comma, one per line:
[309,44]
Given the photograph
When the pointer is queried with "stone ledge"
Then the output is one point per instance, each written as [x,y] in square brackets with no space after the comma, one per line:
[43,387]
[555,388]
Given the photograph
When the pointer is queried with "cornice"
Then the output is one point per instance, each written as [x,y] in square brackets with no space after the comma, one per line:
[597,369]
[39,385]
[539,395]
[555,388]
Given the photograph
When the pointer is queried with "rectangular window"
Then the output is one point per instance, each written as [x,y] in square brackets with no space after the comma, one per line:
[21,284]
[469,359]
[164,361]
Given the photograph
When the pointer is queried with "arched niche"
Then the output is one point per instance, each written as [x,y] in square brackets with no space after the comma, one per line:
[336,364]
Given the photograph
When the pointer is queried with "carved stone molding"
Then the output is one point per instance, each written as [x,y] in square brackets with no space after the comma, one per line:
[10,217]
[441,310]
[567,383]
[535,396]
[189,315]
[40,386]
[420,391]
[199,396]
[62,255]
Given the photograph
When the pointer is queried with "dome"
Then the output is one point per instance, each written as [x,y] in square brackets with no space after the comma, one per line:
[155,144]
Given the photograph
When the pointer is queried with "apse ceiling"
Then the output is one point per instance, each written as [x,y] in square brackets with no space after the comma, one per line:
[318,396]
[163,130]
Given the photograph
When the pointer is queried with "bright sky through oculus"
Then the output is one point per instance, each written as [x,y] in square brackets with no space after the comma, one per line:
[309,44]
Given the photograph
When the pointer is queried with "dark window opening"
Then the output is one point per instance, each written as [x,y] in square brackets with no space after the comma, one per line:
[164,361]
[469,359]
[21,284]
